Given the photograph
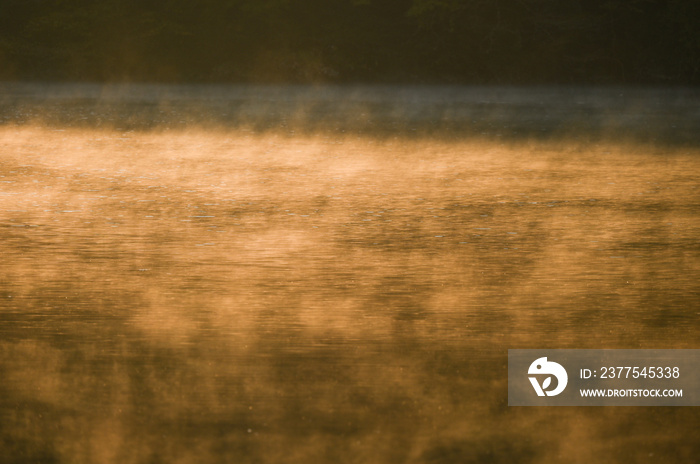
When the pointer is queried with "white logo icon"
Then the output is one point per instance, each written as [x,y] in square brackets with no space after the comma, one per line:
[542,366]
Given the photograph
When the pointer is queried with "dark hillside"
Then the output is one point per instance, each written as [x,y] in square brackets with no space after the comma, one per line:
[409,41]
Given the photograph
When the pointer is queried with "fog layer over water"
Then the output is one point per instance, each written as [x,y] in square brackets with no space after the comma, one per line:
[296,282]
[669,116]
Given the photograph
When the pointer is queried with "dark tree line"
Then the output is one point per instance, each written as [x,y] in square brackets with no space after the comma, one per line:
[464,41]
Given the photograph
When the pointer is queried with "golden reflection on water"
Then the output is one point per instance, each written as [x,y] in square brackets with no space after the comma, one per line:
[226,296]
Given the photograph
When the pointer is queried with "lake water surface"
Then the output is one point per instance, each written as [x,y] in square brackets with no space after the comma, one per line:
[292,275]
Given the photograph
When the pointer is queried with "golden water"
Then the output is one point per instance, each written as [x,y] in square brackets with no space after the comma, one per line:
[211,295]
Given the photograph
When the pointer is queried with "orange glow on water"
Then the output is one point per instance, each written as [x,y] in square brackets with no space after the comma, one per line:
[292,294]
